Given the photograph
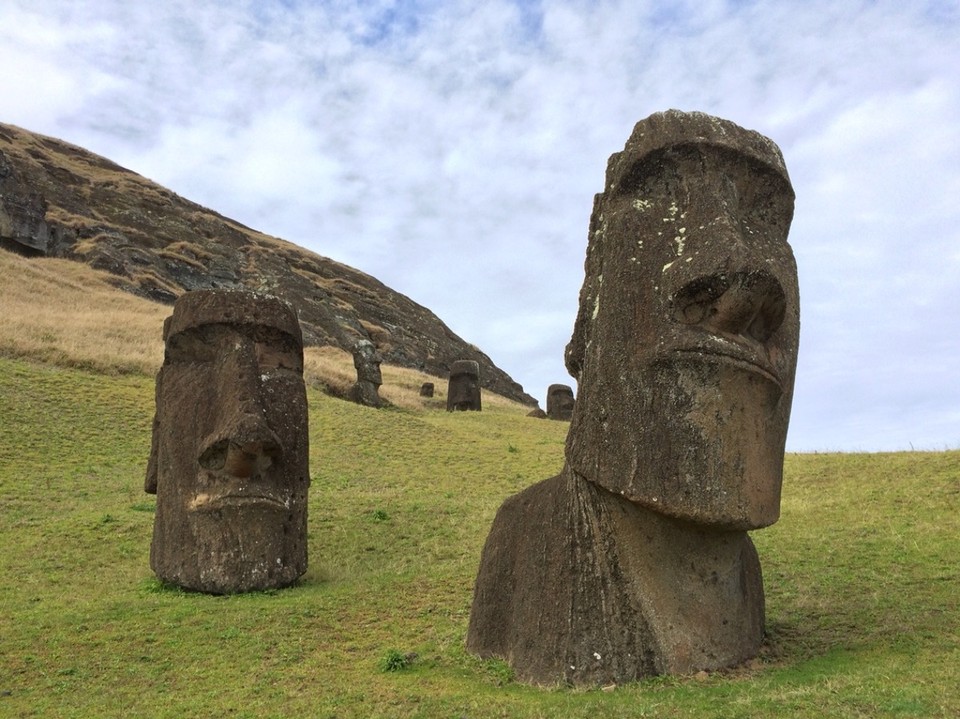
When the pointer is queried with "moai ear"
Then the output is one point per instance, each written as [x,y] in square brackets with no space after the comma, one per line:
[150,484]
[575,352]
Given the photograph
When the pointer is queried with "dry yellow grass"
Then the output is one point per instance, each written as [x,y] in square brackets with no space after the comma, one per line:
[65,313]
[332,368]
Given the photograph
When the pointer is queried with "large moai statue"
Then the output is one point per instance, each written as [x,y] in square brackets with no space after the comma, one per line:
[560,402]
[366,360]
[463,390]
[229,459]
[635,559]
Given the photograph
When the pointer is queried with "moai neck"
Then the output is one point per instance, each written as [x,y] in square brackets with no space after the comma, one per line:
[700,588]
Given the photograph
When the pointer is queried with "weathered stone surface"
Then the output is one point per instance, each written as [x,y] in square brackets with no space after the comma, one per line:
[581,586]
[537,413]
[426,389]
[691,293]
[23,227]
[229,458]
[366,360]
[560,402]
[59,200]
[463,391]
[635,560]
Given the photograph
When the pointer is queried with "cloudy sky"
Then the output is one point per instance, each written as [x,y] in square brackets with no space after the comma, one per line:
[451,148]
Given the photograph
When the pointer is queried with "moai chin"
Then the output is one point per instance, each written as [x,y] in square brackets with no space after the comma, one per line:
[560,402]
[366,360]
[229,456]
[684,349]
[463,391]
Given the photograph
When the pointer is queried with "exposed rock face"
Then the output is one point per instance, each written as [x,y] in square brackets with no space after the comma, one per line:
[560,402]
[463,391]
[366,360]
[23,228]
[59,200]
[635,560]
[229,459]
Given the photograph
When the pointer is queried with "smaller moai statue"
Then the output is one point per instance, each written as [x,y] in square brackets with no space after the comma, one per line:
[537,413]
[463,392]
[560,402]
[229,455]
[426,389]
[366,390]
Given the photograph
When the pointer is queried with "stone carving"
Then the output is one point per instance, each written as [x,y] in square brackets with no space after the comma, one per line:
[426,389]
[366,390]
[229,458]
[635,559]
[537,413]
[560,402]
[463,392]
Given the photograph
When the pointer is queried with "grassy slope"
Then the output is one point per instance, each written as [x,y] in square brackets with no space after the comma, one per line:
[861,575]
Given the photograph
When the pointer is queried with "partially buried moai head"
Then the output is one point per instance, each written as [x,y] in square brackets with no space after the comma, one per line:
[560,402]
[463,390]
[367,362]
[229,460]
[685,344]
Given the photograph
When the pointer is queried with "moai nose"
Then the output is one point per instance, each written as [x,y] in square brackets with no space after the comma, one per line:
[243,444]
[751,304]
[248,448]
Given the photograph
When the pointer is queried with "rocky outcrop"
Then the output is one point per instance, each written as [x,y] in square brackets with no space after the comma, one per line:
[60,200]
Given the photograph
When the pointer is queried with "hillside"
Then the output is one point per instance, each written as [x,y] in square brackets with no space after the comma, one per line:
[58,200]
[863,613]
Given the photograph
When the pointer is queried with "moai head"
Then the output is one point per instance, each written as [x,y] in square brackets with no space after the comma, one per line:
[366,390]
[685,344]
[426,389]
[229,461]
[560,402]
[463,392]
[367,361]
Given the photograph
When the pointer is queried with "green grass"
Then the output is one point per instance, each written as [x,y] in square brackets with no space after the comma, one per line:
[861,573]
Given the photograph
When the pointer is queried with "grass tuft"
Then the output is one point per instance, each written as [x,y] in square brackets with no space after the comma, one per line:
[394,660]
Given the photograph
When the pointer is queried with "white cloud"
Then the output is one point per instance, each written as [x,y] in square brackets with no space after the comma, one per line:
[452,150]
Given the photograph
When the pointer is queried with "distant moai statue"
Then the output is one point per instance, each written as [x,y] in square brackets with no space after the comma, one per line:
[426,389]
[463,391]
[537,413]
[560,402]
[635,559]
[229,455]
[366,360]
